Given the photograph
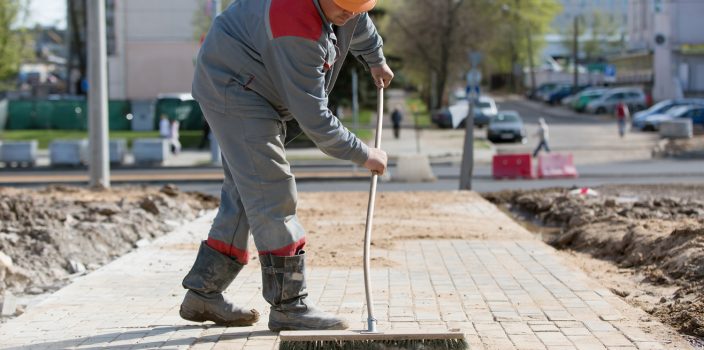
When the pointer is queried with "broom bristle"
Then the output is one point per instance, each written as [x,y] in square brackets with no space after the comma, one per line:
[371,344]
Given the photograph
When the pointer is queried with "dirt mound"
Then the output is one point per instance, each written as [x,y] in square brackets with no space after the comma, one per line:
[50,234]
[656,232]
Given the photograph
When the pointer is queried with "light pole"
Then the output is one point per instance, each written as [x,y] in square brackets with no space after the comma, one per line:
[575,53]
[215,156]
[473,83]
[99,166]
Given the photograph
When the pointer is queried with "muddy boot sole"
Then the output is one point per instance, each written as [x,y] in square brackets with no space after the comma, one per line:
[205,317]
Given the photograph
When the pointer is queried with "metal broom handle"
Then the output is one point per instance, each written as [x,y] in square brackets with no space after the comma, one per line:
[371,321]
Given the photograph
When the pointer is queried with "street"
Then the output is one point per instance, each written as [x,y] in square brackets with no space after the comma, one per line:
[600,155]
[591,139]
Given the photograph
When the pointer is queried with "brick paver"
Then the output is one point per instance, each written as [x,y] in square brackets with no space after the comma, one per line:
[502,294]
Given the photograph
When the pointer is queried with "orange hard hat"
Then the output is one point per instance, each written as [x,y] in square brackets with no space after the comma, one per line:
[356,6]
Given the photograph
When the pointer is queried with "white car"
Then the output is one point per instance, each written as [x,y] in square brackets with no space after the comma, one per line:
[484,110]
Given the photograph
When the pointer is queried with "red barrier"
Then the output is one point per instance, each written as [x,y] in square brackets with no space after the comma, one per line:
[552,165]
[512,166]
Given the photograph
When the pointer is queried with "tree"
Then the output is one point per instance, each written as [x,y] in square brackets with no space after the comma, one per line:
[520,33]
[202,18]
[604,29]
[433,37]
[601,35]
[12,41]
[77,58]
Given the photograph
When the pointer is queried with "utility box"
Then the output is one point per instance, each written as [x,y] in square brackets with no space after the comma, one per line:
[150,151]
[68,152]
[118,150]
[20,153]
[681,128]
[142,115]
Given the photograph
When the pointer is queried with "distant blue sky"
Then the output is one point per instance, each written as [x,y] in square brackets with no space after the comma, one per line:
[47,12]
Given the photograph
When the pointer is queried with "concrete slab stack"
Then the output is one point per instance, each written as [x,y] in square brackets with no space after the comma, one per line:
[18,153]
[150,151]
[68,152]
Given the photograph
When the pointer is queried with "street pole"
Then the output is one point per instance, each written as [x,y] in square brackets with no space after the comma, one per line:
[98,165]
[575,52]
[433,90]
[530,60]
[417,128]
[468,149]
[215,155]
[355,105]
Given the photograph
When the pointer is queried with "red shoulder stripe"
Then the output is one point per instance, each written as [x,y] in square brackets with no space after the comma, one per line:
[295,18]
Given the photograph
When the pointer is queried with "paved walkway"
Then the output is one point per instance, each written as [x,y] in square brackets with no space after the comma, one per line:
[502,294]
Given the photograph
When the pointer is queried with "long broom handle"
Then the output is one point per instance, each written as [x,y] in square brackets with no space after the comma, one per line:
[371,321]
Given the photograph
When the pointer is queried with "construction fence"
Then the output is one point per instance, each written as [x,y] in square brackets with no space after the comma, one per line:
[72,114]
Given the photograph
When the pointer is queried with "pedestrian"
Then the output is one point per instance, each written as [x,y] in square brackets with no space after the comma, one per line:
[396,118]
[622,117]
[544,135]
[205,136]
[252,75]
[164,127]
[175,136]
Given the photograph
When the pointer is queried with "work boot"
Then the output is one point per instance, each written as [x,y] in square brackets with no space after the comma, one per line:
[284,287]
[210,275]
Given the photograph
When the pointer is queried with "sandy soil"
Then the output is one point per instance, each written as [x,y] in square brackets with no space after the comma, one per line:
[649,241]
[50,235]
[408,215]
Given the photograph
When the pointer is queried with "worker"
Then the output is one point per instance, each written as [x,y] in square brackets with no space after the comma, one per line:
[265,62]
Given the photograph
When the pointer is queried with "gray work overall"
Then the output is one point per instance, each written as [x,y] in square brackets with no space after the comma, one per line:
[253,73]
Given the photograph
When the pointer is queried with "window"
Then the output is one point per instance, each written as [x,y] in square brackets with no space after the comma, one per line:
[616,97]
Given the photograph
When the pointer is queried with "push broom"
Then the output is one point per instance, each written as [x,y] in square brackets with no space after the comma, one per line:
[371,338]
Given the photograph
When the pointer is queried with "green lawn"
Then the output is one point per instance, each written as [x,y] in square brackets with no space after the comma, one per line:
[419,109]
[189,138]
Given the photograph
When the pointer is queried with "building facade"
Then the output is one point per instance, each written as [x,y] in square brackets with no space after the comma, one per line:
[617,10]
[668,36]
[154,48]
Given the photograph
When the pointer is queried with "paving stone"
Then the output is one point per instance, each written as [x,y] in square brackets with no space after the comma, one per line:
[501,294]
[613,339]
[586,342]
[598,326]
[544,328]
[553,338]
[516,328]
[575,331]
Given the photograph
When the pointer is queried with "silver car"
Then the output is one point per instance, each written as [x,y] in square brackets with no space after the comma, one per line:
[507,126]
[634,98]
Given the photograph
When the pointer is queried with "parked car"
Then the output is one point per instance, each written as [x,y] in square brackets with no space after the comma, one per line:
[634,98]
[543,95]
[570,100]
[442,118]
[535,94]
[584,97]
[556,96]
[638,121]
[455,115]
[484,110]
[694,112]
[507,126]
